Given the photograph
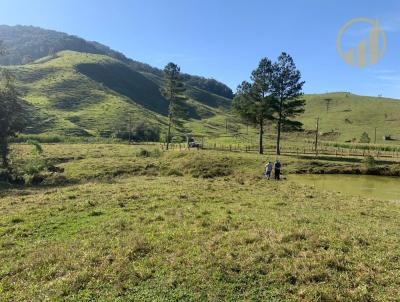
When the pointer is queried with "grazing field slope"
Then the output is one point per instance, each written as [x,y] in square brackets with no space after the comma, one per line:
[84,94]
[345,116]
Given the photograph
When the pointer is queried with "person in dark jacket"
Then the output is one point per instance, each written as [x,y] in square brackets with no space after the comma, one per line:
[277,168]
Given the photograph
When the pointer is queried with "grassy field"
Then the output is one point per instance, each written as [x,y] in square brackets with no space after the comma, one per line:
[124,224]
[349,115]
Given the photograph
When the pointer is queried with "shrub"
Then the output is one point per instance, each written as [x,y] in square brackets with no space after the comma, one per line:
[149,153]
[143,153]
[174,172]
[365,138]
[369,162]
[4,175]
[37,147]
[141,132]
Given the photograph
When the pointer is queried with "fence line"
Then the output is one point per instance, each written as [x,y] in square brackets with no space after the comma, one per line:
[324,150]
[337,152]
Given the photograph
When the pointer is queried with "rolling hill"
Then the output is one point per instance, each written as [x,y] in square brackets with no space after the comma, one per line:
[25,44]
[345,116]
[73,93]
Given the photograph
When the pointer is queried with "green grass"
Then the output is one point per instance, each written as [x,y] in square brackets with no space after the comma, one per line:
[350,115]
[125,226]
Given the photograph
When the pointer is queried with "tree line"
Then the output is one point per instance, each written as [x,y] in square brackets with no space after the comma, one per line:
[273,95]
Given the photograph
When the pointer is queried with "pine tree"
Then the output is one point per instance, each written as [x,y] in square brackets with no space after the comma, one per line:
[173,91]
[12,114]
[287,88]
[253,101]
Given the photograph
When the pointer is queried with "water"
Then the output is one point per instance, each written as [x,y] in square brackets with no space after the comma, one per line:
[378,187]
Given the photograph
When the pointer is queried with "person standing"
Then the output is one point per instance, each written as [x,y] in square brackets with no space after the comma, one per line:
[277,167]
[268,170]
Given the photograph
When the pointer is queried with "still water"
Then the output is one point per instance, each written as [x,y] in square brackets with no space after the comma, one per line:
[378,187]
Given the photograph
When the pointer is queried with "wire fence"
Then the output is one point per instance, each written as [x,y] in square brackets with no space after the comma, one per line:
[293,150]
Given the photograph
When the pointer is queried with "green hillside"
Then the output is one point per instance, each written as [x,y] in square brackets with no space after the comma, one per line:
[80,94]
[349,115]
[88,94]
[25,44]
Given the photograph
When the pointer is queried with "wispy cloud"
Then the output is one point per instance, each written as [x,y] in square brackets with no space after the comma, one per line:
[386,79]
[390,23]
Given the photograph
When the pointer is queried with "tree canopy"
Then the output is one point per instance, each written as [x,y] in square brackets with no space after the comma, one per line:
[274,94]
[287,87]
[12,114]
[254,102]
[173,90]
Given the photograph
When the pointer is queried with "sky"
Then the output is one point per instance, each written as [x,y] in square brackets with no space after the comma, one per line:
[225,39]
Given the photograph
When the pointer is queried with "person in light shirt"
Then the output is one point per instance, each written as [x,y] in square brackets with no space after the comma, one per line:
[268,170]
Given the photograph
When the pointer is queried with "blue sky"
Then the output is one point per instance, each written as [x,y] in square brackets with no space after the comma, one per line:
[226,39]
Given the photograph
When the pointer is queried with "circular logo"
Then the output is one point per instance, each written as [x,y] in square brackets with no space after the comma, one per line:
[359,56]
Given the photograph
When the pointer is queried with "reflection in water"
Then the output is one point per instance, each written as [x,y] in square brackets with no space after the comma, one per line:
[379,187]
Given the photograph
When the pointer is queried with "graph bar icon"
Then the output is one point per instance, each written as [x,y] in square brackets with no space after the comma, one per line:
[349,56]
[374,44]
[367,51]
[362,54]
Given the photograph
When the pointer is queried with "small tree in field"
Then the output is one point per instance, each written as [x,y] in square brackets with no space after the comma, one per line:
[365,139]
[287,88]
[12,114]
[253,101]
[173,91]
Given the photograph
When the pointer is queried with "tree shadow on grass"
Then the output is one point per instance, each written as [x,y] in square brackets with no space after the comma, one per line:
[127,82]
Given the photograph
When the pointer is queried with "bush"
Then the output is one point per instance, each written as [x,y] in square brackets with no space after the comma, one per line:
[143,153]
[41,138]
[4,175]
[364,139]
[33,167]
[141,132]
[174,172]
[149,153]
[369,162]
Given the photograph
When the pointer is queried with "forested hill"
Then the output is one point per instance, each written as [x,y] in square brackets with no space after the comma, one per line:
[25,44]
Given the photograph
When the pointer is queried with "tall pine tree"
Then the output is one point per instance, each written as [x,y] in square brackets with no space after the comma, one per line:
[173,91]
[253,101]
[12,114]
[286,87]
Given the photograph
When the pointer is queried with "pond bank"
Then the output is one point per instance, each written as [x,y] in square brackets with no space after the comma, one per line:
[318,167]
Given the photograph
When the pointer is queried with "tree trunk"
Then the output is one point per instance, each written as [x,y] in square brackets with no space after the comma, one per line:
[4,153]
[260,146]
[169,132]
[278,137]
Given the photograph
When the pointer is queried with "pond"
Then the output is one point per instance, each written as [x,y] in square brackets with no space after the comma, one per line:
[378,187]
